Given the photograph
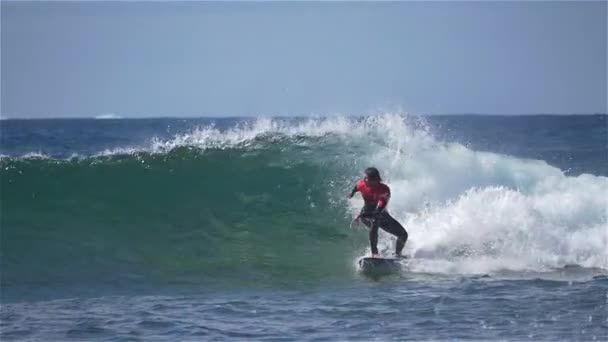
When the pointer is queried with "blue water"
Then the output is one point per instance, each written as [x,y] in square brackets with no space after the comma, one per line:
[396,309]
[237,229]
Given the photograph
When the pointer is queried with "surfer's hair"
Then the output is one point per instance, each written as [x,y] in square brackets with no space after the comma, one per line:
[373,173]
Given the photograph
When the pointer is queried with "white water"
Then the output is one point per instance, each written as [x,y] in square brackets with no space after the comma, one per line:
[477,212]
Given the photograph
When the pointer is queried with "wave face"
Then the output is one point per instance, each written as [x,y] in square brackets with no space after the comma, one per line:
[263,201]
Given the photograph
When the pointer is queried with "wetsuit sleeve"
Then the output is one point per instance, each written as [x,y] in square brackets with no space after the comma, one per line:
[355,189]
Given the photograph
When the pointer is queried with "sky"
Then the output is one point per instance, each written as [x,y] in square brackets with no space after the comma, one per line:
[163,58]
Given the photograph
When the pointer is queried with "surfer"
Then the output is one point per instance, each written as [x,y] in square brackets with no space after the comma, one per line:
[373,214]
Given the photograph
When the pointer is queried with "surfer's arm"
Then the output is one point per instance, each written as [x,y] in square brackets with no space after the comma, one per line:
[353,192]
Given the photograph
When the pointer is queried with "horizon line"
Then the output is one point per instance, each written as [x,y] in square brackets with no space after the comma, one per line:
[118,117]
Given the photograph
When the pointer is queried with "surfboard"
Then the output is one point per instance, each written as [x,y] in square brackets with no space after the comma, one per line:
[380,266]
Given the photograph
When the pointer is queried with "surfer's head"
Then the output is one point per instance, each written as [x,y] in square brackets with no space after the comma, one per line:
[372,176]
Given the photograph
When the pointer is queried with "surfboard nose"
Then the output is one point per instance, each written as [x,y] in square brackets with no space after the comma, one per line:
[379,266]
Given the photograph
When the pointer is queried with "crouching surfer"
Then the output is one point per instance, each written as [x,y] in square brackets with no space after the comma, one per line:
[373,214]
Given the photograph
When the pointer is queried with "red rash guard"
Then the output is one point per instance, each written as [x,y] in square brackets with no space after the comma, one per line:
[374,197]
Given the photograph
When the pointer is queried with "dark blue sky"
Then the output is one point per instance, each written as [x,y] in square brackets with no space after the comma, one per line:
[238,59]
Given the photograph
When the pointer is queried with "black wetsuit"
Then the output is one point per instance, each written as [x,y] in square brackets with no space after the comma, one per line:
[385,221]
[374,215]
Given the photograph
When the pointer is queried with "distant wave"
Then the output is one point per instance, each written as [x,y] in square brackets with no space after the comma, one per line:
[108,116]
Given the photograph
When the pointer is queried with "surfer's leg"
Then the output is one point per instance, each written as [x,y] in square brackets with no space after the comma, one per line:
[400,244]
[368,219]
[372,224]
[392,226]
[373,238]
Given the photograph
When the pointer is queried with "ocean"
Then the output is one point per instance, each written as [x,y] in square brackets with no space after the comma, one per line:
[238,228]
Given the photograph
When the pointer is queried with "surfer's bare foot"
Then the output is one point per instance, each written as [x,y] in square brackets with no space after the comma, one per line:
[375,255]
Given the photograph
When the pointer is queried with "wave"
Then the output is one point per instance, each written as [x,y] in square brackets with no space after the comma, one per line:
[265,200]
[108,116]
